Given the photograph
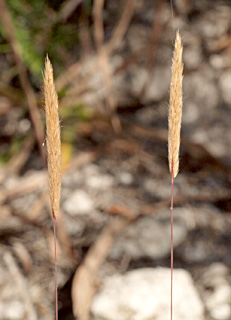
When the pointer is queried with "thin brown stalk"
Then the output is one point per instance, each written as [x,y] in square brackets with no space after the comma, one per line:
[111,98]
[171,208]
[121,27]
[98,23]
[153,43]
[54,152]
[84,31]
[174,122]
[67,8]
[19,159]
[30,95]
[104,63]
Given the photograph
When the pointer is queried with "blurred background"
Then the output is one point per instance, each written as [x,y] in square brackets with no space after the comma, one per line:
[112,68]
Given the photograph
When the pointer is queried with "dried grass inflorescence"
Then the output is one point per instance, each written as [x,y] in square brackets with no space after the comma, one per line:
[175,108]
[52,137]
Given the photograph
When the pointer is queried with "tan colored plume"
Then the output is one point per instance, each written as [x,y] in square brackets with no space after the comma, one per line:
[175,108]
[52,137]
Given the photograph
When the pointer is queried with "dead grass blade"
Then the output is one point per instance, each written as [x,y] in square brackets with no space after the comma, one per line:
[23,256]
[39,204]
[18,161]
[110,97]
[37,181]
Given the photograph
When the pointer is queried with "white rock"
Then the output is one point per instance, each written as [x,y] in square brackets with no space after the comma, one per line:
[216,274]
[125,178]
[13,310]
[222,294]
[77,203]
[144,294]
[100,182]
[217,300]
[222,312]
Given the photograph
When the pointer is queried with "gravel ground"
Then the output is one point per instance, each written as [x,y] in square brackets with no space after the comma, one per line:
[125,176]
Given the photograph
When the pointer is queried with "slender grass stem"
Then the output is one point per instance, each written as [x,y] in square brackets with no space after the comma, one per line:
[56,282]
[171,246]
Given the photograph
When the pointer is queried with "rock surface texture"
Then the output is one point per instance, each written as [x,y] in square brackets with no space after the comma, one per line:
[143,294]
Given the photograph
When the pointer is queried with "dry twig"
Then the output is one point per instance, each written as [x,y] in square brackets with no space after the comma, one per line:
[153,43]
[67,9]
[25,185]
[121,27]
[18,160]
[104,63]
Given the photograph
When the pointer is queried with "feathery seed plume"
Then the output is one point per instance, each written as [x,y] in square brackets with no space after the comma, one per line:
[175,108]
[52,137]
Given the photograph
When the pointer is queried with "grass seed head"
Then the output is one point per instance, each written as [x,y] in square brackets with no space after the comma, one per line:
[175,108]
[52,137]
